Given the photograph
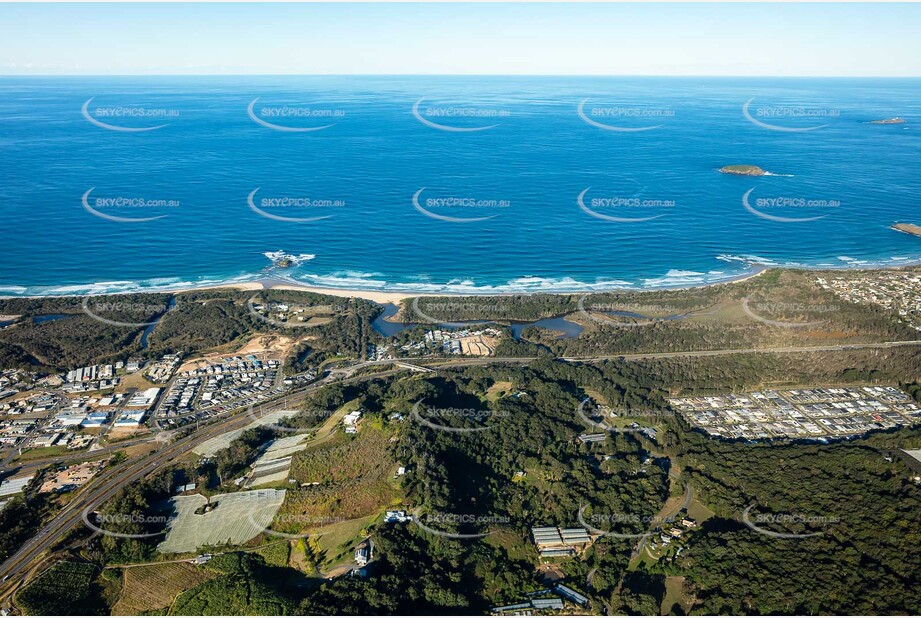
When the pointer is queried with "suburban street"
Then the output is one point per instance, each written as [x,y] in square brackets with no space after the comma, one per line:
[14,570]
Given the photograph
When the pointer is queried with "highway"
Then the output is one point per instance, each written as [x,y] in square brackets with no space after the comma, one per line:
[682,354]
[112,480]
[108,483]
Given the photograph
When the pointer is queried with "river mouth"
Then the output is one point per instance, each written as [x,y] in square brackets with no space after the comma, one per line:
[387,328]
[150,328]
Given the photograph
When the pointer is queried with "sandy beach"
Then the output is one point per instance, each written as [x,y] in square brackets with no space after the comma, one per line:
[372,295]
[395,297]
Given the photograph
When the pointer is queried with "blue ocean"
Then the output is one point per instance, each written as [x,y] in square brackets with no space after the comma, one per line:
[449,184]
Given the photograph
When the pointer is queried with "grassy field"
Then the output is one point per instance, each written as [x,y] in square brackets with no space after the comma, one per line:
[133,380]
[497,390]
[354,476]
[517,548]
[337,541]
[330,360]
[698,511]
[595,395]
[330,425]
[155,587]
[136,450]
[39,453]
[674,593]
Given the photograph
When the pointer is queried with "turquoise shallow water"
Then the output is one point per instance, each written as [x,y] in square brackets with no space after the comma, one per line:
[382,199]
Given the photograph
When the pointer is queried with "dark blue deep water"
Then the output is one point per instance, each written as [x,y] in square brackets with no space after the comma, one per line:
[517,184]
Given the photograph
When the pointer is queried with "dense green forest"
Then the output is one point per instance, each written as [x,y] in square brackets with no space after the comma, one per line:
[66,332]
[492,451]
[864,504]
[524,466]
[21,518]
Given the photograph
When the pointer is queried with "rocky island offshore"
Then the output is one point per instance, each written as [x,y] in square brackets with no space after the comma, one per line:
[908,228]
[743,170]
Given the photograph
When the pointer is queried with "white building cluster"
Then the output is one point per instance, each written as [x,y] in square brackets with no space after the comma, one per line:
[91,378]
[817,413]
[896,290]
[235,380]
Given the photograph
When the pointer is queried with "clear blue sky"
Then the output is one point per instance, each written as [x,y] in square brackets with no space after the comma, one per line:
[610,39]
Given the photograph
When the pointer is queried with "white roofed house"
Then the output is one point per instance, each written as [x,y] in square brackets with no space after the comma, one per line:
[144,399]
[552,541]
[364,552]
[130,418]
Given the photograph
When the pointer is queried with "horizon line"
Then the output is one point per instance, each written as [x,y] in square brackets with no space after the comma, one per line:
[650,75]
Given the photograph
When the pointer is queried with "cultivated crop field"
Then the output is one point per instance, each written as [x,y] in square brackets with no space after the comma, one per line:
[156,586]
